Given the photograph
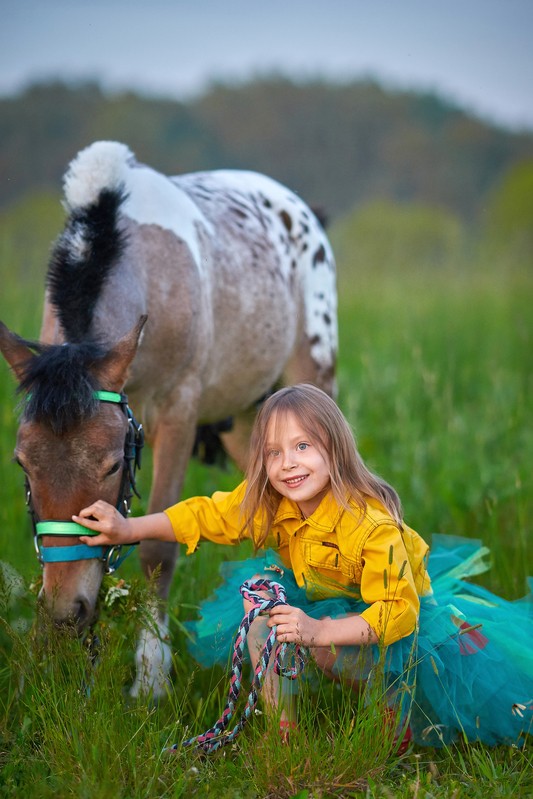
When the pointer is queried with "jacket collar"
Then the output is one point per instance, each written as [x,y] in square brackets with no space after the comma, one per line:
[325,517]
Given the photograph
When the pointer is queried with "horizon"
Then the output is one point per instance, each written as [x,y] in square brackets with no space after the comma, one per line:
[476,56]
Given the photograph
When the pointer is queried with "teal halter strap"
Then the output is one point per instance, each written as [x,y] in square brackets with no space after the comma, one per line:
[112,556]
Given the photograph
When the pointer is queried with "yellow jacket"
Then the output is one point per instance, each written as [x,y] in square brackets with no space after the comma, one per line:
[332,553]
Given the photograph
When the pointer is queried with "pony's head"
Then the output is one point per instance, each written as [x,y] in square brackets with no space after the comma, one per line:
[70,445]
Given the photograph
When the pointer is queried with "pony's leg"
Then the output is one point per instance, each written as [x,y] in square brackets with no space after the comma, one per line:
[237,441]
[171,450]
[300,368]
[303,368]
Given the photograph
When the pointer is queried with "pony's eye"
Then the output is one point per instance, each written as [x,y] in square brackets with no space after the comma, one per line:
[19,463]
[114,469]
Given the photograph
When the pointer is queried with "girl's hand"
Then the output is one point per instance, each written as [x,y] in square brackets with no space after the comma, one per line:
[113,528]
[294,626]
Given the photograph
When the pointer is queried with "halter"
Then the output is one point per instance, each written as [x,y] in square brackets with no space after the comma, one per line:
[111,556]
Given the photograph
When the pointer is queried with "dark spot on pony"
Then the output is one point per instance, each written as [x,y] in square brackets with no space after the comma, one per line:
[238,212]
[286,219]
[320,256]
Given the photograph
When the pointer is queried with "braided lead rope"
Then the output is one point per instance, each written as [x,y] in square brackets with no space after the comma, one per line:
[216,736]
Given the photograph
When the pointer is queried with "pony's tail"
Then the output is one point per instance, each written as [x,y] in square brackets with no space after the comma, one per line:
[101,166]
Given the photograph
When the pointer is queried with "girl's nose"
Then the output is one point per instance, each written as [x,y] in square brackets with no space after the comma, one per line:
[289,460]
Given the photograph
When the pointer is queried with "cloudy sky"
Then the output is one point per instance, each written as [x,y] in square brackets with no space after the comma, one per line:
[477,53]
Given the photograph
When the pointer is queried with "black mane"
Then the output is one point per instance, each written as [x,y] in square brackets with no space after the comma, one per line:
[82,259]
[58,385]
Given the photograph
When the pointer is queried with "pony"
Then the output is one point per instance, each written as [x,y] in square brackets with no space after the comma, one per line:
[196,295]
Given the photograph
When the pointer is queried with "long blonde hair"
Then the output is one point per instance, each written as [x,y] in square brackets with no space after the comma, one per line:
[325,424]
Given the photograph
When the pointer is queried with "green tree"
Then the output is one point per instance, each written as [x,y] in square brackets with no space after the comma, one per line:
[384,237]
[509,216]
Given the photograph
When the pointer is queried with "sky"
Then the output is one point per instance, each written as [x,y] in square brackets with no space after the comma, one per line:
[476,53]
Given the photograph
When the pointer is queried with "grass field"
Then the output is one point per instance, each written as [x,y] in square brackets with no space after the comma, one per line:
[435,376]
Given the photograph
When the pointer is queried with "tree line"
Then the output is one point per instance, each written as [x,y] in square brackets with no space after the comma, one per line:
[339,145]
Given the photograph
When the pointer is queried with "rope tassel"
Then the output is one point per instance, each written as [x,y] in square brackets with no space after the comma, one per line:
[217,736]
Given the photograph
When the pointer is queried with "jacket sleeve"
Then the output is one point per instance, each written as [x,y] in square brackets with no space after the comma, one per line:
[217,518]
[388,586]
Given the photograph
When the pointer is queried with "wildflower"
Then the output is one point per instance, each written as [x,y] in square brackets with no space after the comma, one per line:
[116,592]
[438,728]
[518,709]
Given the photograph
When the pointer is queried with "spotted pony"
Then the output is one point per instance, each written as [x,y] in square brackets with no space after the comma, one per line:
[236,279]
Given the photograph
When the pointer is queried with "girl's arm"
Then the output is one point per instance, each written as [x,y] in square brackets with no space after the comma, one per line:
[113,529]
[216,518]
[295,626]
[388,586]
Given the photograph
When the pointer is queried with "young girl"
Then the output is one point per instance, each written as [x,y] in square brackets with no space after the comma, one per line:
[356,576]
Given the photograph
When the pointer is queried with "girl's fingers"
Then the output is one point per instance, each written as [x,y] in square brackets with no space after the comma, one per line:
[91,510]
[96,516]
[84,513]
[280,609]
[284,613]
[93,540]
[91,524]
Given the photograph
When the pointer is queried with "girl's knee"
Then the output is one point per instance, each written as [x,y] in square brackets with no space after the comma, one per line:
[325,660]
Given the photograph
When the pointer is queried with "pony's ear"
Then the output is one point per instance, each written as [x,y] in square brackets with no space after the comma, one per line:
[15,351]
[112,370]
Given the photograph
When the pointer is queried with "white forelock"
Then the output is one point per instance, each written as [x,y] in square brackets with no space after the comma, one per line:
[103,164]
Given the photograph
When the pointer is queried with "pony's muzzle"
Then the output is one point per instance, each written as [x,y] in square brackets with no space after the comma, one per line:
[76,614]
[70,591]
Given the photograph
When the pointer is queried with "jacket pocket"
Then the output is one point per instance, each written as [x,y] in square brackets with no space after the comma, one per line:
[326,555]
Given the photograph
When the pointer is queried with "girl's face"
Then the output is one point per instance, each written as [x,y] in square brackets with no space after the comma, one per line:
[295,465]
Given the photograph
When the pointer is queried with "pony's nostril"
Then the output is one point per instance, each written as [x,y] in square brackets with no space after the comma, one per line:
[82,612]
[74,619]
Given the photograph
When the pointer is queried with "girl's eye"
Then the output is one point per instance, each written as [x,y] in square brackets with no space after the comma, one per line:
[273,453]
[302,445]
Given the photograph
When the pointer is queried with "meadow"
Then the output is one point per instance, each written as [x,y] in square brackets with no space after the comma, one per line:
[435,377]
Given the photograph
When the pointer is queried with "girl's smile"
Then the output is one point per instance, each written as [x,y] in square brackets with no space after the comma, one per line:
[295,465]
[292,481]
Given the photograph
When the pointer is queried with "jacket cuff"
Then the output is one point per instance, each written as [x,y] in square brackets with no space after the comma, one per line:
[189,539]
[379,617]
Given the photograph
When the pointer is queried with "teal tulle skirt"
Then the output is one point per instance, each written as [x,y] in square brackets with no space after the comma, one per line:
[467,671]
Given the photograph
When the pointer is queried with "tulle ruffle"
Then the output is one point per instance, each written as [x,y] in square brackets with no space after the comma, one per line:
[467,671]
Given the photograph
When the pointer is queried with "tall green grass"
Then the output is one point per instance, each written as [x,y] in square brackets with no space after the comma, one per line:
[435,377]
